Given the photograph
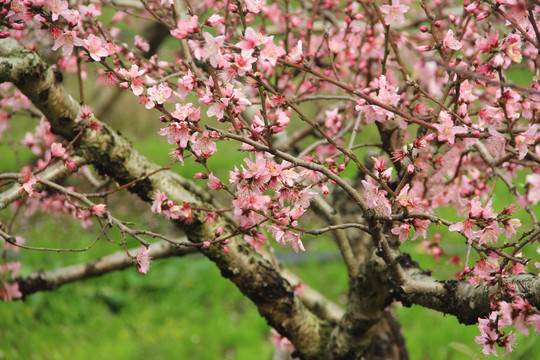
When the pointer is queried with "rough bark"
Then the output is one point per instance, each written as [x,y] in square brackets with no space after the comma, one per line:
[387,341]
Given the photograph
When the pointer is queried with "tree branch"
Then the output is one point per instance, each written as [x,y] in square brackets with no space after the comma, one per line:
[53,279]
[459,298]
[52,173]
[112,154]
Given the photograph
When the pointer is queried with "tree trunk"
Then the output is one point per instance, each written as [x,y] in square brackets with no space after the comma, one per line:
[387,342]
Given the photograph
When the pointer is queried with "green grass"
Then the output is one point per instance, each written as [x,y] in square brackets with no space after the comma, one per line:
[181,309]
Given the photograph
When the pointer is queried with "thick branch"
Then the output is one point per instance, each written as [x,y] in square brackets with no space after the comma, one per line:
[465,301]
[112,154]
[368,297]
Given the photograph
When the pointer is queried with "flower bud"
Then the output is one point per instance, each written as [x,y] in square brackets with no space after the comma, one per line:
[200,176]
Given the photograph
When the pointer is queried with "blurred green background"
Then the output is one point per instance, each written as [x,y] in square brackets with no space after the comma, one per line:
[183,308]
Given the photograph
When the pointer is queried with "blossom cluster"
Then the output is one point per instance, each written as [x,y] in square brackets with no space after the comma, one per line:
[303,92]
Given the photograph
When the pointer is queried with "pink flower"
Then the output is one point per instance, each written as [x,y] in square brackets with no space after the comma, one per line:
[10,293]
[465,92]
[403,231]
[187,111]
[525,139]
[57,150]
[296,55]
[96,47]
[159,93]
[281,342]
[394,13]
[533,185]
[479,211]
[332,121]
[242,62]
[143,260]
[304,197]
[254,6]
[93,10]
[534,320]
[420,227]
[376,199]
[177,133]
[252,40]
[98,209]
[28,186]
[465,226]
[185,27]
[218,108]
[85,114]
[490,234]
[134,75]
[67,40]
[203,146]
[513,48]
[446,128]
[212,48]
[488,340]
[57,8]
[157,205]
[510,226]
[450,42]
[284,237]
[406,199]
[141,44]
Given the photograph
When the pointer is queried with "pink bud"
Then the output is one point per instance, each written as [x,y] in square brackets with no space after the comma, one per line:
[214,20]
[206,244]
[324,189]
[214,183]
[225,249]
[423,29]
[330,161]
[219,231]
[200,176]
[423,48]
[482,15]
